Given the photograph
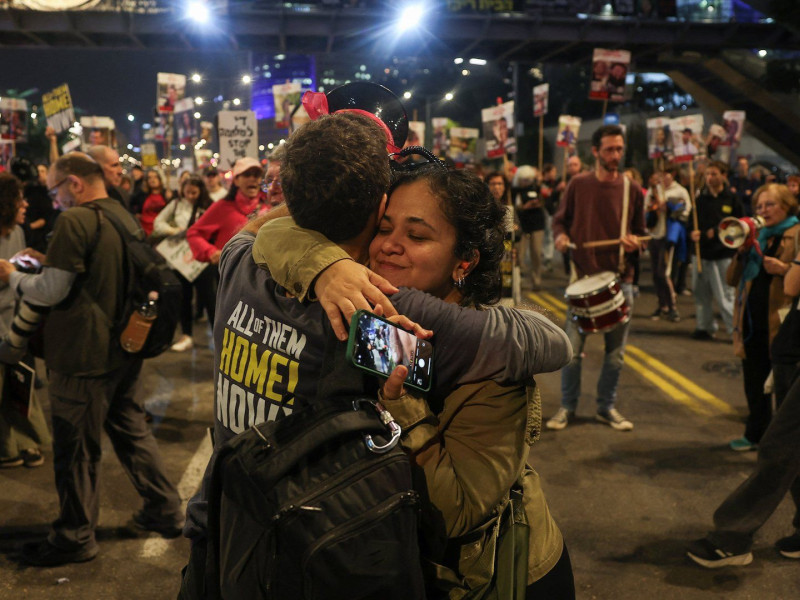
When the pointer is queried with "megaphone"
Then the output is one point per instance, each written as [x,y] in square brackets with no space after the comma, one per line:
[735,232]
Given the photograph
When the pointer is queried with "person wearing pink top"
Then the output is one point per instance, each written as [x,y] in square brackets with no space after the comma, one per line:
[226,217]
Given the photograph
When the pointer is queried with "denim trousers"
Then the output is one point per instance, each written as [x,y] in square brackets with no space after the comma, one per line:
[708,285]
[613,360]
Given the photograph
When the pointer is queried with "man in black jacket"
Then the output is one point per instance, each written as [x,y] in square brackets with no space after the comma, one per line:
[715,202]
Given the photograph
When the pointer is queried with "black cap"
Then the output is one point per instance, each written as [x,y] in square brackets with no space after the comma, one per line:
[23,169]
[376,99]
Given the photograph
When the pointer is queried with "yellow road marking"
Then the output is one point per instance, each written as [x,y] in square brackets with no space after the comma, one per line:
[682,381]
[647,365]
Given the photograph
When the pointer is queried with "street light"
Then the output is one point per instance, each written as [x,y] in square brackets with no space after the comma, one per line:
[131,117]
[198,11]
[236,102]
[246,79]
[197,115]
[198,100]
[410,17]
[448,96]
[196,77]
[407,95]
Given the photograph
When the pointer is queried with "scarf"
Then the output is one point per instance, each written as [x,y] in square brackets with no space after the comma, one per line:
[754,258]
[246,205]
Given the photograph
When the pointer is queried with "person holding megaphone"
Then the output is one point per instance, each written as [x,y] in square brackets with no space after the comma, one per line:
[758,274]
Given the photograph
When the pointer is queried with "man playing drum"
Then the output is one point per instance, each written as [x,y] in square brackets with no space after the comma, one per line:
[597,206]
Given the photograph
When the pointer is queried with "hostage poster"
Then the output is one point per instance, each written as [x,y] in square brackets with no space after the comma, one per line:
[498,129]
[58,109]
[171,88]
[609,71]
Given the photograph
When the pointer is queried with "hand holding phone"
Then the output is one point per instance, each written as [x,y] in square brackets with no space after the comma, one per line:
[378,346]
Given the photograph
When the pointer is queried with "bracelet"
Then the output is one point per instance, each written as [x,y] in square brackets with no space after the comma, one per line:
[796,262]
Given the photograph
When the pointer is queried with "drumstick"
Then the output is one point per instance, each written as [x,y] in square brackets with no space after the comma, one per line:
[602,243]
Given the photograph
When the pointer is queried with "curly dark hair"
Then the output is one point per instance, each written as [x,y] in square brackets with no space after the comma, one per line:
[10,190]
[334,174]
[478,220]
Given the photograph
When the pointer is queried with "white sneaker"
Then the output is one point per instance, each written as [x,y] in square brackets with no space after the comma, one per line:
[613,417]
[184,343]
[560,419]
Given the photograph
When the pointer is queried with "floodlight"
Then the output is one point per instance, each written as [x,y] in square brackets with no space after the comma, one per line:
[477,61]
[410,17]
[762,53]
[197,115]
[236,102]
[196,77]
[458,61]
[131,117]
[448,96]
[246,79]
[198,12]
[407,95]
[198,100]
[182,146]
[261,147]
[33,115]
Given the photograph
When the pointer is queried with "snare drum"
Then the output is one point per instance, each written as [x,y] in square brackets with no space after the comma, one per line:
[597,303]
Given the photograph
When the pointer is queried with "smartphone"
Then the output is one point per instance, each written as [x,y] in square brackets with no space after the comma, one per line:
[378,346]
[26,264]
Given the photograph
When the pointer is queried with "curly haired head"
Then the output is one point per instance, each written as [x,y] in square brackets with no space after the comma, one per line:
[335,173]
[10,194]
[467,203]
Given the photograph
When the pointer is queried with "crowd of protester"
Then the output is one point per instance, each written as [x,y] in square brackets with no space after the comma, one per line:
[672,218]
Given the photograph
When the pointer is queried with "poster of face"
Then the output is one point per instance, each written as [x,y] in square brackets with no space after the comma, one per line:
[57,104]
[185,123]
[441,139]
[541,95]
[716,146]
[14,119]
[171,88]
[160,127]
[462,145]
[287,96]
[98,131]
[659,138]
[687,136]
[498,129]
[416,134]
[206,131]
[568,128]
[733,122]
[609,70]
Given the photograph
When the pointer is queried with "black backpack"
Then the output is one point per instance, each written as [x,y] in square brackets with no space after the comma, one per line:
[147,271]
[317,505]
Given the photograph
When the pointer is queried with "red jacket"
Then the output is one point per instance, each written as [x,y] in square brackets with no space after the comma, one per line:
[219,223]
[153,205]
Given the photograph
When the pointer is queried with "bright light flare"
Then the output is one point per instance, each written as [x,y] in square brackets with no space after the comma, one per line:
[407,95]
[198,12]
[196,77]
[131,118]
[236,102]
[449,96]
[246,79]
[410,17]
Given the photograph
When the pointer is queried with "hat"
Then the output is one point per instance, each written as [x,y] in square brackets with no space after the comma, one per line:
[374,100]
[244,164]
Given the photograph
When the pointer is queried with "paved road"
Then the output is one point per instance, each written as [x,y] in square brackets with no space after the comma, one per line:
[626,502]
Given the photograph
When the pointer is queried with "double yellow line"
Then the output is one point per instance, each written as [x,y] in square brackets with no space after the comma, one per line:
[668,380]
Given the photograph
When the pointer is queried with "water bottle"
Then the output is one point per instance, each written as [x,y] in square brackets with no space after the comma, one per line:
[135,333]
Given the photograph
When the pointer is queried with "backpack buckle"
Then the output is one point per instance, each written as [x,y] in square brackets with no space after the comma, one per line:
[388,420]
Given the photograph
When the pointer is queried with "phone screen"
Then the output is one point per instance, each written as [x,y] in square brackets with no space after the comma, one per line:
[378,346]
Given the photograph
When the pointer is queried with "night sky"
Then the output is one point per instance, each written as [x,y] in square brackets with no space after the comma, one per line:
[117,82]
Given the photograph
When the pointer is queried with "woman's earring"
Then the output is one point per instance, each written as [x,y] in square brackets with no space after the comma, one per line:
[460,282]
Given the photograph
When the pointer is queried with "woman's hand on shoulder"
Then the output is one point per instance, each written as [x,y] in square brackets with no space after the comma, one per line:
[345,287]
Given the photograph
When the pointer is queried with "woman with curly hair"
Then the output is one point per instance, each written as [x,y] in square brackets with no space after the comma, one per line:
[20,437]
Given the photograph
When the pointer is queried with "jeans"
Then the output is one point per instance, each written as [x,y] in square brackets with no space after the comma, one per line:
[548,245]
[615,341]
[532,255]
[711,284]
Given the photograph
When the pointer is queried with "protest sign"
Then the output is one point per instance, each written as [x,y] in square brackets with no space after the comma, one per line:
[206,131]
[687,134]
[57,104]
[171,88]
[416,134]
[541,94]
[609,70]
[498,129]
[287,96]
[176,251]
[185,123]
[441,140]
[462,145]
[568,128]
[14,119]
[98,131]
[238,136]
[733,122]
[659,138]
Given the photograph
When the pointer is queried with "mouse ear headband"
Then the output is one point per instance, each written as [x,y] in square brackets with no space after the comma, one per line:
[368,99]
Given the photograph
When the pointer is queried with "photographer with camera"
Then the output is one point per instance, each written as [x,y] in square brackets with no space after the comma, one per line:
[532,219]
